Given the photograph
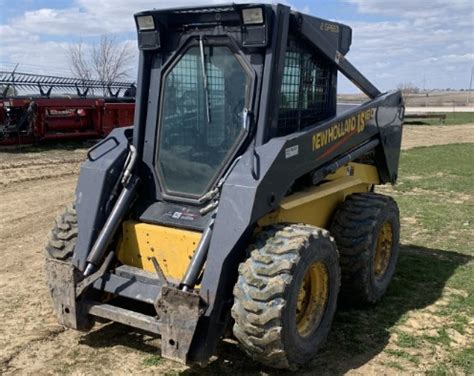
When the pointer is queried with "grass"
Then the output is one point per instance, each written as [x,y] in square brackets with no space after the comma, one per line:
[452,118]
[394,365]
[443,169]
[462,361]
[465,360]
[436,196]
[436,199]
[442,338]
[408,340]
[403,355]
[152,360]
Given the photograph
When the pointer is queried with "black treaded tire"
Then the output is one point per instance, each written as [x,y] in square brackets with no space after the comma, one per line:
[356,227]
[62,238]
[61,242]
[265,295]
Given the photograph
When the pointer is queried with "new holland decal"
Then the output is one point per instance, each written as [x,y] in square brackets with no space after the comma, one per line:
[341,131]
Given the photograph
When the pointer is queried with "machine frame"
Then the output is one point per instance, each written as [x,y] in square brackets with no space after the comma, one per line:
[261,178]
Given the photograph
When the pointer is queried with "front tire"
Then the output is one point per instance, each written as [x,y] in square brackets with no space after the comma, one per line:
[286,295]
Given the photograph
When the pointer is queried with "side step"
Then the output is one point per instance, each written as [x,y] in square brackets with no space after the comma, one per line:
[124,316]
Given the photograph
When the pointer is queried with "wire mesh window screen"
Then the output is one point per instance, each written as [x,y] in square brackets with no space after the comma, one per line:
[185,84]
[193,146]
[304,92]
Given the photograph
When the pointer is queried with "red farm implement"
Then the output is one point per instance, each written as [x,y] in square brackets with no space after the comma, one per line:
[32,119]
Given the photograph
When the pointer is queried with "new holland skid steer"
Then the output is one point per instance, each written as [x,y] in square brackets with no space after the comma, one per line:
[242,197]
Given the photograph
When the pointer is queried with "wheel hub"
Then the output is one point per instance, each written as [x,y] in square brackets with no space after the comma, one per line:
[312,299]
[383,250]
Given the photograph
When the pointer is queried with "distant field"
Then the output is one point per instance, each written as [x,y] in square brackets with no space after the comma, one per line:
[430,99]
[456,118]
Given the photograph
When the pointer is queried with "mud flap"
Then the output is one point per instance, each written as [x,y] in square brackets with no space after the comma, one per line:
[179,314]
[62,281]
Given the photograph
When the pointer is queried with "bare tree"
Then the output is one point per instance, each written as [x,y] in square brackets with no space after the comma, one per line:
[408,90]
[78,61]
[8,91]
[108,60]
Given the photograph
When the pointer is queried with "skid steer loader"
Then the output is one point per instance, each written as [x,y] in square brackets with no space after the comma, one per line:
[242,197]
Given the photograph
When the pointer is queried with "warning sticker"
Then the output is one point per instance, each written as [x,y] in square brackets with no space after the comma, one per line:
[291,152]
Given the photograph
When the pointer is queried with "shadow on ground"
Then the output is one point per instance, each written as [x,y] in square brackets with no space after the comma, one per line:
[358,335]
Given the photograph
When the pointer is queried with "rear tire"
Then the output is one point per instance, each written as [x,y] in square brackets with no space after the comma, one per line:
[286,295]
[62,238]
[61,242]
[367,232]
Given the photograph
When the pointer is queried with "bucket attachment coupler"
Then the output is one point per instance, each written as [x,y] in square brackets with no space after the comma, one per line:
[63,278]
[179,313]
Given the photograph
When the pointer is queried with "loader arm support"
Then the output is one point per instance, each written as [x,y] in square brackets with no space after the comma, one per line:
[319,41]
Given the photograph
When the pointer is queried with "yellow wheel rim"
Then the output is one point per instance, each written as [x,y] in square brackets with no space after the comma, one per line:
[312,299]
[383,250]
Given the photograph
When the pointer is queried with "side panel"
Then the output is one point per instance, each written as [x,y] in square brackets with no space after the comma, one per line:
[98,176]
[316,205]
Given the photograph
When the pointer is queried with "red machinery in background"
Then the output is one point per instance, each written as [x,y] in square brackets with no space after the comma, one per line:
[32,119]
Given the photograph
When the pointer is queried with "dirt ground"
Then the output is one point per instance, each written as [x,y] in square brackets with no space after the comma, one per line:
[35,186]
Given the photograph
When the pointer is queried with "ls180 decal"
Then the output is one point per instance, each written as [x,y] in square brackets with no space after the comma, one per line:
[353,125]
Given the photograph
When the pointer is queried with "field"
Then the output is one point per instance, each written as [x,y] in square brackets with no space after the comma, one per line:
[424,325]
[430,99]
[456,118]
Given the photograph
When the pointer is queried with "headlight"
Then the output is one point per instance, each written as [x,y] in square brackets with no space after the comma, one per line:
[145,23]
[252,16]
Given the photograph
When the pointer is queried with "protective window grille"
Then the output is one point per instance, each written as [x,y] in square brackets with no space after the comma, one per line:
[304,92]
[187,82]
[192,146]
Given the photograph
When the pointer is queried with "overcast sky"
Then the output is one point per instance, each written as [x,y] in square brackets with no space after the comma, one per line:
[429,43]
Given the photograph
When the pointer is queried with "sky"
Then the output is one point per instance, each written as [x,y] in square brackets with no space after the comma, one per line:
[428,43]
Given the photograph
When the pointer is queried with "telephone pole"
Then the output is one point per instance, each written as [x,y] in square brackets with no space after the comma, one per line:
[470,87]
[424,91]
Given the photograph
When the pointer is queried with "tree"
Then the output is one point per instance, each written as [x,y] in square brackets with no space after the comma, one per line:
[108,60]
[78,62]
[408,90]
[8,91]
